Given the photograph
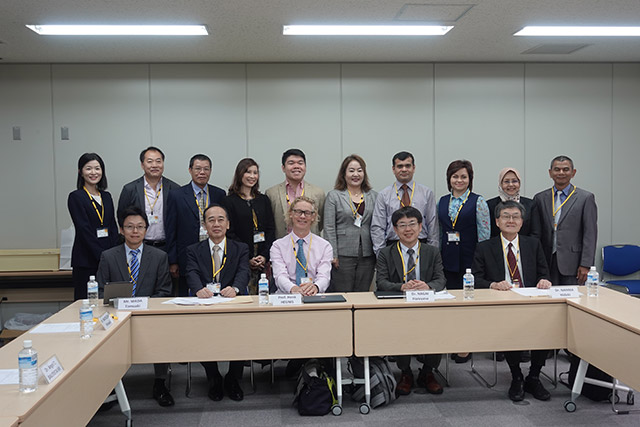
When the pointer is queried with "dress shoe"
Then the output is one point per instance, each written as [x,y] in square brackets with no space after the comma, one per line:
[232,388]
[461,359]
[525,357]
[516,391]
[427,380]
[534,386]
[161,394]
[216,392]
[404,386]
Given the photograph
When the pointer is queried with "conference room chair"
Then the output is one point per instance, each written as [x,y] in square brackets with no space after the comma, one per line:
[622,260]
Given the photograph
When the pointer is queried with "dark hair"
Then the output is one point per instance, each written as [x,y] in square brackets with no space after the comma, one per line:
[341,182]
[293,152]
[215,205]
[455,166]
[561,159]
[510,204]
[406,212]
[202,157]
[241,168]
[403,155]
[151,148]
[83,160]
[132,211]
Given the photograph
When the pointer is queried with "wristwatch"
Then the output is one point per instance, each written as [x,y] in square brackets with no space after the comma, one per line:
[237,290]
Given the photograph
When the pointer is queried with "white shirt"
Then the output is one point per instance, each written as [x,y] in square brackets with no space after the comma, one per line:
[516,251]
[416,258]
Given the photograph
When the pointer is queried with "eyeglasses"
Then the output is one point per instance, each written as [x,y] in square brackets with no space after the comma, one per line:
[402,226]
[300,212]
[515,217]
[198,170]
[135,227]
[511,181]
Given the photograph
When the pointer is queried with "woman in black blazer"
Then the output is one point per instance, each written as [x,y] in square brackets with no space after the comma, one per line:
[509,189]
[251,218]
[92,213]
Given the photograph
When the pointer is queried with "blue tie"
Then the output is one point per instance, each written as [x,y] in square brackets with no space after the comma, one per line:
[300,262]
[135,268]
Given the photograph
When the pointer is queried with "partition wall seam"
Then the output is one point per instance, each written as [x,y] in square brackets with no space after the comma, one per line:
[612,152]
[246,108]
[524,126]
[150,106]
[53,143]
[341,113]
[433,118]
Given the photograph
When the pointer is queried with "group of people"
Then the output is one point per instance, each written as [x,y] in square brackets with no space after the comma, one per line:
[179,240]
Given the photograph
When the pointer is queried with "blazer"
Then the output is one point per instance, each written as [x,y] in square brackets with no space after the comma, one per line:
[345,238]
[488,262]
[153,277]
[278,196]
[132,194]
[200,267]
[182,221]
[389,276]
[87,247]
[577,230]
[241,222]
[531,211]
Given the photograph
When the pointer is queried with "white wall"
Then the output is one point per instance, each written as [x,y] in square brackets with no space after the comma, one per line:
[495,115]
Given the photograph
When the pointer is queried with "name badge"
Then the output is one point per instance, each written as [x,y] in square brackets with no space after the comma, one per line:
[453,236]
[358,220]
[136,303]
[51,369]
[102,232]
[305,280]
[420,296]
[106,321]
[214,287]
[565,292]
[285,299]
[258,237]
[153,219]
[203,234]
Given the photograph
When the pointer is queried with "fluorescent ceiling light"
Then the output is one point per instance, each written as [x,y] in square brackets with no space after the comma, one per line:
[580,31]
[365,30]
[120,30]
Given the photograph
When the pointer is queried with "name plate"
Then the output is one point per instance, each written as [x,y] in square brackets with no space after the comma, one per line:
[106,320]
[285,299]
[420,296]
[51,369]
[565,292]
[134,303]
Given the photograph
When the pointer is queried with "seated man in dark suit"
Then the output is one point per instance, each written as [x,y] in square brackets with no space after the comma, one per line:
[225,263]
[411,265]
[510,260]
[147,268]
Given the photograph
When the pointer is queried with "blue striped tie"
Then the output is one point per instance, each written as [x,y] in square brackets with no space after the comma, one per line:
[135,268]
[301,262]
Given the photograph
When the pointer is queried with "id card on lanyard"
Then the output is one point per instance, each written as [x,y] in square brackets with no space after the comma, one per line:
[102,231]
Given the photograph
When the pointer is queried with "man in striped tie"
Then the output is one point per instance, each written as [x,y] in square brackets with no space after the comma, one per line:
[147,268]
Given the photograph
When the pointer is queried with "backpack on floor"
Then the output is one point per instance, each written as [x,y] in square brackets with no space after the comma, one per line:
[383,383]
[315,393]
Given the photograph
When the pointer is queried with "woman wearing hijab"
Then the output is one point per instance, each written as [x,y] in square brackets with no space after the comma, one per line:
[509,182]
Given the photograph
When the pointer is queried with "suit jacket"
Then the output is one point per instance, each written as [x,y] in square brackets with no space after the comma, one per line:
[389,276]
[488,262]
[153,277]
[132,194]
[531,212]
[182,221]
[577,230]
[200,267]
[345,238]
[278,196]
[87,247]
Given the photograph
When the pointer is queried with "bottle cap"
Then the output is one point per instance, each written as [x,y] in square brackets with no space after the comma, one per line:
[263,276]
[27,343]
[468,270]
[92,278]
[593,267]
[85,301]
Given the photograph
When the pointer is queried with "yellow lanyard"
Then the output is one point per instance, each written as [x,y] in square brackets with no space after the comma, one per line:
[553,201]
[130,275]
[404,267]
[504,250]
[151,206]
[286,193]
[355,211]
[93,202]
[213,262]
[198,203]
[295,252]
[410,199]
[460,208]
[253,212]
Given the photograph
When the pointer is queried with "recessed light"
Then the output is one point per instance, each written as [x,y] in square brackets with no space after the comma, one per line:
[365,30]
[561,31]
[120,30]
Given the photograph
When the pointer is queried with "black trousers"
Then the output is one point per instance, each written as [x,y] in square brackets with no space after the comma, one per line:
[213,374]
[538,358]
[80,277]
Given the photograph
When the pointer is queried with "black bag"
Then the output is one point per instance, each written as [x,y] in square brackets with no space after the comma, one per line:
[315,392]
[590,391]
[383,383]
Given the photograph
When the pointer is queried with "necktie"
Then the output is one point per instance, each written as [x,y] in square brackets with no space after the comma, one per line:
[411,266]
[556,219]
[514,271]
[301,262]
[134,267]
[406,200]
[201,201]
[216,262]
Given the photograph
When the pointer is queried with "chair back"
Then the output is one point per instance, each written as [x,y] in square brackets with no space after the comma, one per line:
[621,260]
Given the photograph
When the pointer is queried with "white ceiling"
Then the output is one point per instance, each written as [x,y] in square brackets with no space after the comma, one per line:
[251,30]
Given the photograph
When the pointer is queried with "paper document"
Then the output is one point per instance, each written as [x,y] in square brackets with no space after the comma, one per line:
[531,292]
[56,328]
[9,376]
[198,301]
[444,295]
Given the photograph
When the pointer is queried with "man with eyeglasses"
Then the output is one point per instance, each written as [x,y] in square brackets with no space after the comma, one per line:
[147,268]
[185,210]
[404,192]
[411,265]
[511,260]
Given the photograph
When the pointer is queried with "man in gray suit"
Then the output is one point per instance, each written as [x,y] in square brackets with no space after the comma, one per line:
[411,265]
[568,225]
[149,193]
[147,268]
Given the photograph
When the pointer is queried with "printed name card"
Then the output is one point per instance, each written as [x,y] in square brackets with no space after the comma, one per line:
[285,299]
[135,303]
[420,296]
[51,369]
[106,320]
[565,292]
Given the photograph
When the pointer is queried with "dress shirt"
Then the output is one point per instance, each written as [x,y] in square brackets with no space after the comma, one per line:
[128,252]
[387,203]
[516,251]
[319,255]
[294,192]
[154,198]
[483,218]
[564,193]
[416,253]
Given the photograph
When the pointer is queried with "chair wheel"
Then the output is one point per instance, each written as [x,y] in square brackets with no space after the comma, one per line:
[613,399]
[336,410]
[569,406]
[630,398]
[364,409]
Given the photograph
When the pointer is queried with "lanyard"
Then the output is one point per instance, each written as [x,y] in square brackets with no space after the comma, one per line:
[286,193]
[130,275]
[410,199]
[213,263]
[553,201]
[504,249]
[151,206]
[93,202]
[460,208]
[404,267]
[198,203]
[355,211]
[295,252]
[253,212]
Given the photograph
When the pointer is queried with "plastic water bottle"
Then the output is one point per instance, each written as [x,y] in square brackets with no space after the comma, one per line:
[86,320]
[92,291]
[593,278]
[263,290]
[468,285]
[28,368]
